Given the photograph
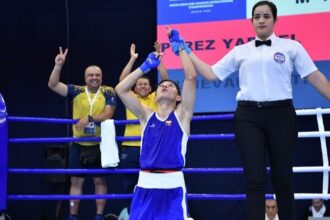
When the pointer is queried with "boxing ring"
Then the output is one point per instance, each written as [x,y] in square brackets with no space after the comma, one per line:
[5,141]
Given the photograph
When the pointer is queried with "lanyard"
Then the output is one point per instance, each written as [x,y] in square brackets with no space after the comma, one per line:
[91,102]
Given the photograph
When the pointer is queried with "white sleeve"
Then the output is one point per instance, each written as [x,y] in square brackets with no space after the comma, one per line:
[227,65]
[303,63]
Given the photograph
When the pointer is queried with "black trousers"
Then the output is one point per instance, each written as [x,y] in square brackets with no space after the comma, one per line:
[259,130]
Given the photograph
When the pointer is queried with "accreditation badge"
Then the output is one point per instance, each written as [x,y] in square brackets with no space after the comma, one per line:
[90,129]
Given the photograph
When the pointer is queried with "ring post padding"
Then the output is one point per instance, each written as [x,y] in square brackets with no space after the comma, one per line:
[3,153]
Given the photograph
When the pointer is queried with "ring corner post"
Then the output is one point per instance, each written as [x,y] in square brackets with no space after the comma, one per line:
[3,154]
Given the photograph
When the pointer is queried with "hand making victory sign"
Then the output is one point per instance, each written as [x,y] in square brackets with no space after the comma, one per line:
[60,58]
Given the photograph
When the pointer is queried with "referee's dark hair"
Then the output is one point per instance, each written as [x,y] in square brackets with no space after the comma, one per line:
[271,5]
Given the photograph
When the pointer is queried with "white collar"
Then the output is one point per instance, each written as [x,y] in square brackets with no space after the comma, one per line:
[319,213]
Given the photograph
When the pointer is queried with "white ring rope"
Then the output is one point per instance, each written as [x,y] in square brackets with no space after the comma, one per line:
[324,196]
[313,111]
[322,134]
[313,169]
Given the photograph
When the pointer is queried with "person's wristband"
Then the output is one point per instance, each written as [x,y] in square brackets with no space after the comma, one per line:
[185,47]
[90,118]
[144,68]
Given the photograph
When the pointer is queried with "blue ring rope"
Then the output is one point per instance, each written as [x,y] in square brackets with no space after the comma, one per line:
[118,138]
[117,122]
[128,196]
[229,170]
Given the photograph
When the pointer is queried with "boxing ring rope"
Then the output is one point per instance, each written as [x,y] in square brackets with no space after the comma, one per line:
[4,118]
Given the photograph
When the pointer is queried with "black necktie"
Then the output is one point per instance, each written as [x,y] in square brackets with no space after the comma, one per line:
[266,42]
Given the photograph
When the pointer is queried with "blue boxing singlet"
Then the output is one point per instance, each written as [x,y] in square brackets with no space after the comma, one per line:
[163,143]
